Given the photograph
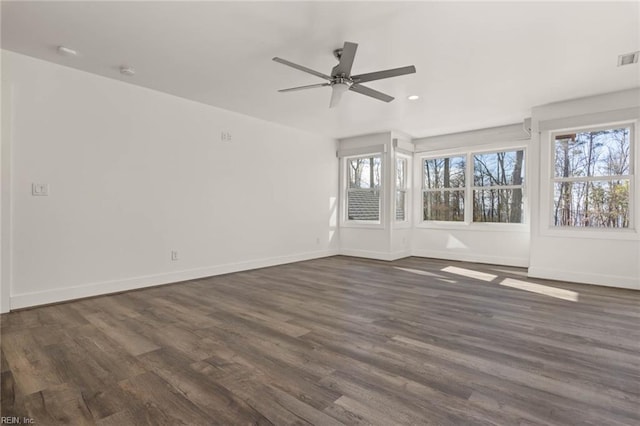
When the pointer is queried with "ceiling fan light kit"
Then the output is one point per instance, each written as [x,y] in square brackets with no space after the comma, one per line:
[341,79]
[337,91]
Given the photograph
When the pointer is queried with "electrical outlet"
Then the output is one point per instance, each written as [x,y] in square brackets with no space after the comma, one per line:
[40,189]
[174,255]
[225,136]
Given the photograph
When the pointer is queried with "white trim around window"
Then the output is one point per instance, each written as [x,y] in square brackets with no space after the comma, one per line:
[377,190]
[550,180]
[402,190]
[468,189]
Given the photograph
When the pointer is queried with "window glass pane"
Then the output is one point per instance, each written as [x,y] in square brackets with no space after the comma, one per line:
[444,172]
[595,204]
[498,168]
[401,205]
[401,173]
[497,205]
[599,153]
[444,205]
[363,204]
[364,172]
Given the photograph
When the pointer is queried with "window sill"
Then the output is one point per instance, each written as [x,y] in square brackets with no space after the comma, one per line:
[362,224]
[592,234]
[476,227]
[402,225]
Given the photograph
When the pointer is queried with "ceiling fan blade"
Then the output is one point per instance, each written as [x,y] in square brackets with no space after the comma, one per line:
[301,68]
[364,90]
[311,86]
[379,75]
[346,60]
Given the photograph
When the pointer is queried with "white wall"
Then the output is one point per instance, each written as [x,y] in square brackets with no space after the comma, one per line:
[504,244]
[5,198]
[603,257]
[135,173]
[473,245]
[401,232]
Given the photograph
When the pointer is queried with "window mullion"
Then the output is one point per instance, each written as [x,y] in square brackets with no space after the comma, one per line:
[605,178]
[468,192]
[486,188]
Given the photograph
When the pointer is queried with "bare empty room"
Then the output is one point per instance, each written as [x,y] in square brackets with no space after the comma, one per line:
[320,213]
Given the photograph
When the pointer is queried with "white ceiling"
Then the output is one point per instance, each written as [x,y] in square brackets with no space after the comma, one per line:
[478,64]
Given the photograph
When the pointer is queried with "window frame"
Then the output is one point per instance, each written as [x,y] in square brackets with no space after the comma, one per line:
[468,152]
[345,221]
[551,227]
[406,189]
[523,186]
[462,189]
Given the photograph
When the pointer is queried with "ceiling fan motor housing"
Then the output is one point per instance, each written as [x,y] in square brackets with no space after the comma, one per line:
[342,80]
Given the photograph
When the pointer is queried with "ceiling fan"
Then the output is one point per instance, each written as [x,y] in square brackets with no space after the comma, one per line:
[341,79]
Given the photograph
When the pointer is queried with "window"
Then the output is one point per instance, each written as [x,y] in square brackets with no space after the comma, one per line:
[364,179]
[494,192]
[401,189]
[443,188]
[591,183]
[498,179]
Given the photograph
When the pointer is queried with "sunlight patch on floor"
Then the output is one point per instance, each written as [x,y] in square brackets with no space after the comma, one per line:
[447,281]
[558,293]
[469,273]
[418,272]
[510,271]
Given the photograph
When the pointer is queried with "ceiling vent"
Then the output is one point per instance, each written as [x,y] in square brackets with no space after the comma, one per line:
[628,58]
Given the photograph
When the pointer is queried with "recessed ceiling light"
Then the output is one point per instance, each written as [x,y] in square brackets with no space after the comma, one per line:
[128,71]
[413,97]
[65,51]
[628,58]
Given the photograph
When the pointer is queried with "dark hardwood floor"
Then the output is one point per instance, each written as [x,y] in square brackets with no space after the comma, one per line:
[332,341]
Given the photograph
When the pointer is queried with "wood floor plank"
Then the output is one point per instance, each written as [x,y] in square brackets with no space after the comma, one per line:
[131,341]
[274,370]
[336,340]
[208,395]
[7,391]
[30,366]
[4,366]
[58,405]
[165,405]
[105,352]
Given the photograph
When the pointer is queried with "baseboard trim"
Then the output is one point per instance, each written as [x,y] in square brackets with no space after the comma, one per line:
[377,255]
[27,300]
[469,257]
[584,278]
[400,254]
